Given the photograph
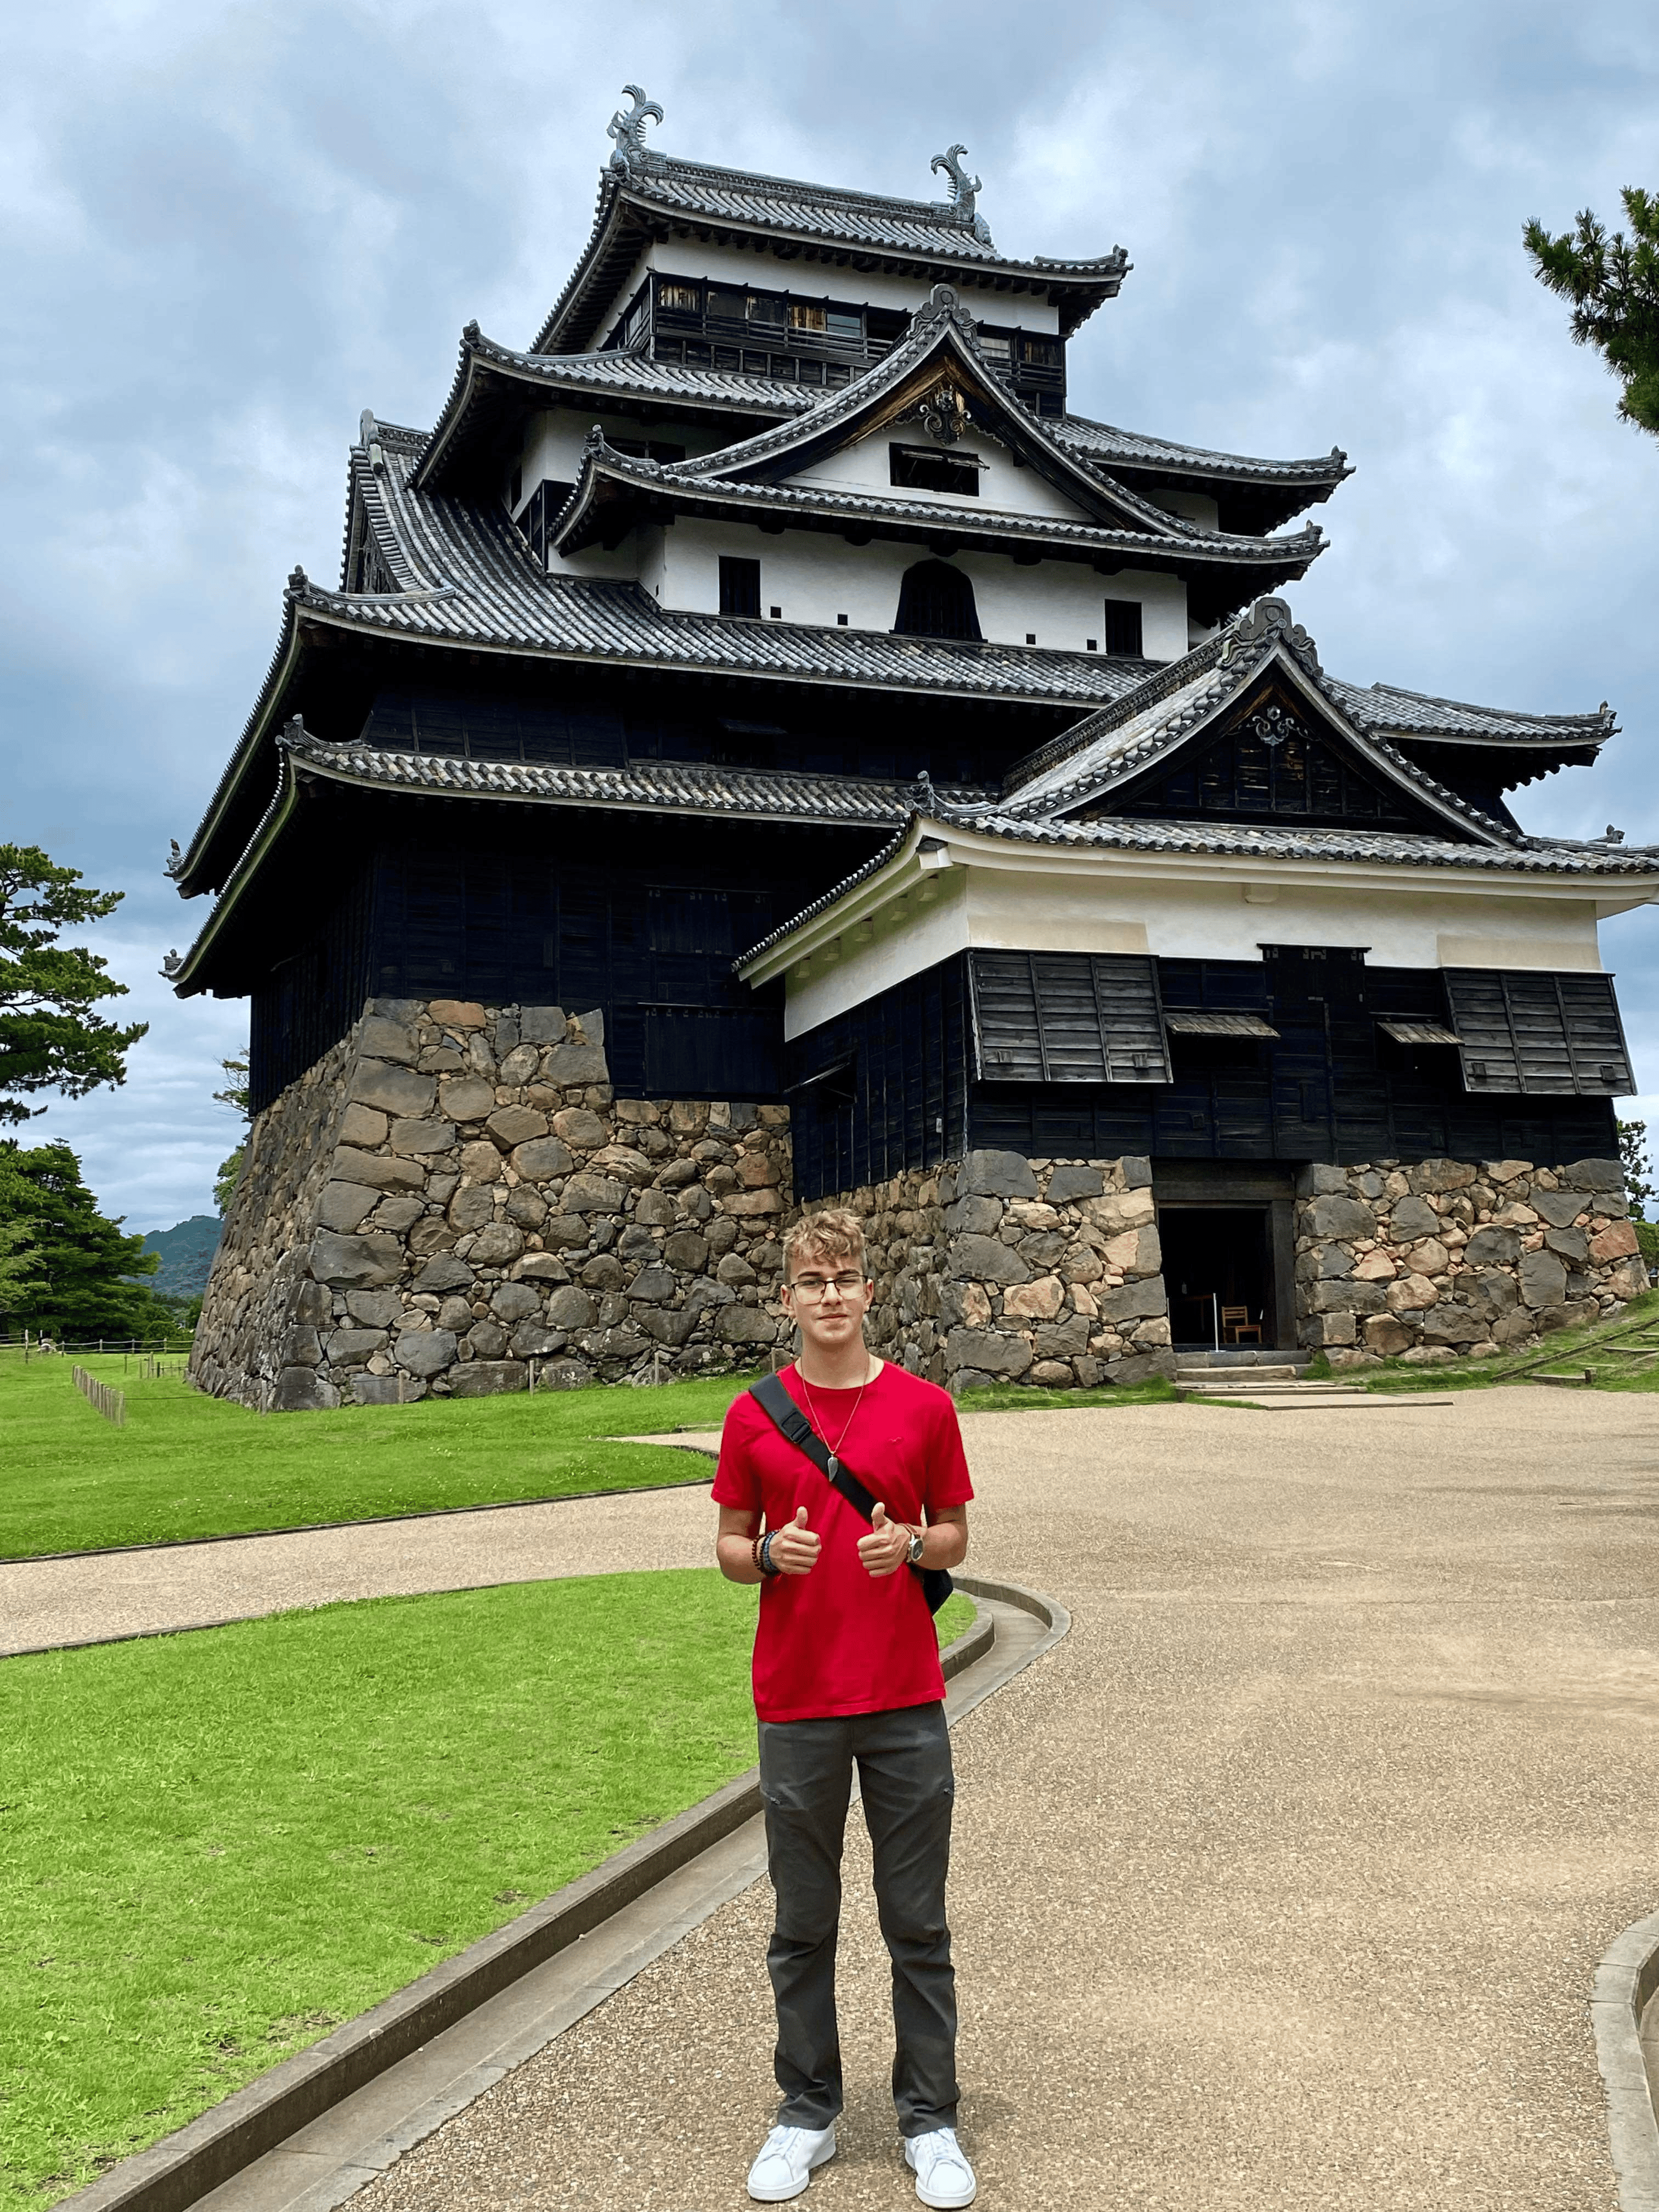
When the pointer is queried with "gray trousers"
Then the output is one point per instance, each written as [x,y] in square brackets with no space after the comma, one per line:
[806,1773]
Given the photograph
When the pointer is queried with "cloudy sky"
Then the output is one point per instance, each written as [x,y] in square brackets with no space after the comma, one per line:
[226,230]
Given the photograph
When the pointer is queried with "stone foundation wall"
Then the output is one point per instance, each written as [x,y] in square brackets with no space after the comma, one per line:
[999,1268]
[1446,1258]
[455,1194]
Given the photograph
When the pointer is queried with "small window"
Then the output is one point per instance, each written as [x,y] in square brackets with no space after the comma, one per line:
[923,468]
[1091,645]
[776,613]
[841,620]
[681,299]
[726,304]
[1123,628]
[1041,353]
[846,323]
[739,585]
[997,345]
[803,315]
[936,601]
[1030,637]
[766,308]
[638,316]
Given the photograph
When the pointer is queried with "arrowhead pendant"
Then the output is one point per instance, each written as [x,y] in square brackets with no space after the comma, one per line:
[835,1466]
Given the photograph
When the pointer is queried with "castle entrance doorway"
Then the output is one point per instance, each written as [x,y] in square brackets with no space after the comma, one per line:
[1227,1232]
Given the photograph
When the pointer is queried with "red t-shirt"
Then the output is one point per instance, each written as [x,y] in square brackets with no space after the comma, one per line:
[840,1640]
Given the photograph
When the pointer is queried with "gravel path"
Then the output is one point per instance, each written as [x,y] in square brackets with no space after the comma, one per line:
[1279,1884]
[115,1594]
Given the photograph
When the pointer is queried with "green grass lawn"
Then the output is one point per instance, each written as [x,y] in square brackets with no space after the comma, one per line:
[215,1846]
[186,1465]
[1568,1349]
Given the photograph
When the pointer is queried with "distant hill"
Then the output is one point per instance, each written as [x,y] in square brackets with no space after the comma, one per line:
[186,1251]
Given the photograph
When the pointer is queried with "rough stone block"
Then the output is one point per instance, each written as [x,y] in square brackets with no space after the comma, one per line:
[360,1263]
[465,1098]
[1428,1258]
[1386,1336]
[1137,1172]
[750,1205]
[346,1206]
[1353,1296]
[1543,1278]
[533,1339]
[1616,1242]
[486,1340]
[973,1216]
[998,1175]
[1514,1328]
[666,1326]
[587,1193]
[1068,1183]
[1038,1301]
[1594,1175]
[1135,1301]
[745,1324]
[655,1209]
[1141,1367]
[983,1259]
[1315,1329]
[472,1208]
[513,1302]
[1119,1210]
[425,1351]
[525,1208]
[378,1170]
[564,1233]
[611,1344]
[604,1271]
[349,1348]
[516,1124]
[1492,1248]
[312,1304]
[489,1378]
[1326,1263]
[1410,1294]
[1454,1324]
[987,1349]
[422,1137]
[541,1025]
[541,1159]
[393,1089]
[302,1390]
[575,1063]
[302,1347]
[1560,1208]
[1498,1288]
[444,1271]
[382,1039]
[580,1128]
[625,1161]
[481,1161]
[1507,1170]
[1063,1339]
[1052,1374]
[374,1308]
[362,1126]
[386,1389]
[1440,1176]
[1320,1180]
[687,1251]
[497,1244]
[1572,1244]
[457,1013]
[570,1307]
[1412,1217]
[1339,1217]
[564,1375]
[653,1285]
[396,1215]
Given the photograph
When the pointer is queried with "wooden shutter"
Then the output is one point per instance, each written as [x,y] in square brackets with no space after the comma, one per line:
[1068,1018]
[1535,1035]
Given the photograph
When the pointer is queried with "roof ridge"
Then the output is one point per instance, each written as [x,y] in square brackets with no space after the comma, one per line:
[715,172]
[1601,716]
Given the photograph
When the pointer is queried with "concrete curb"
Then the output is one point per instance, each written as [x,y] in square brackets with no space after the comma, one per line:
[212,2150]
[1624,1982]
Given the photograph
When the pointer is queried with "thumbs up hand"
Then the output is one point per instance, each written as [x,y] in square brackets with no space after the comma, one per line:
[795,1548]
[883,1551]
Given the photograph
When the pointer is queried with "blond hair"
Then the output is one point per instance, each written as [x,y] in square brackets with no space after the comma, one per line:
[836,1233]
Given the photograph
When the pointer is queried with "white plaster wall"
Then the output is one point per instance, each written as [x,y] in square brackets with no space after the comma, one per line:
[1113,912]
[1004,484]
[813,577]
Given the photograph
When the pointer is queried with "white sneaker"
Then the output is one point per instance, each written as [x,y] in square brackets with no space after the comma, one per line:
[786,2162]
[943,2176]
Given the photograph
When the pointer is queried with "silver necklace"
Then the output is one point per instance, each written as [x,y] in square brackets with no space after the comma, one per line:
[834,1448]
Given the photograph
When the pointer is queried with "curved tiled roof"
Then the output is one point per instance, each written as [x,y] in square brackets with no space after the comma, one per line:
[1384,707]
[679,787]
[1131,447]
[1527,855]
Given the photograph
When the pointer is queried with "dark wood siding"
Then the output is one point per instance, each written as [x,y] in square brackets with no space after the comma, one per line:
[312,998]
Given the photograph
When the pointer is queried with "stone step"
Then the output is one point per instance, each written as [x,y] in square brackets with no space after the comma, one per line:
[1251,1388]
[1240,1376]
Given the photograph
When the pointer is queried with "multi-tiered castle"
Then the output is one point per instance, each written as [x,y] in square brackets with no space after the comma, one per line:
[763,746]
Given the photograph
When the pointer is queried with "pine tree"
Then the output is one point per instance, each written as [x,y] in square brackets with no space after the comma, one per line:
[1613,285]
[73,1287]
[50,1038]
[235,1093]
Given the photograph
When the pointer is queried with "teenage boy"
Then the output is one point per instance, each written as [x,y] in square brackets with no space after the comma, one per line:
[847,1668]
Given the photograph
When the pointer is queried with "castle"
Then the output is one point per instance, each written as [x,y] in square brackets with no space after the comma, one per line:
[764,748]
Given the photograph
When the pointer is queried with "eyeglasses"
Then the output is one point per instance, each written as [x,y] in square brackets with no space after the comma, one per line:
[814,1286]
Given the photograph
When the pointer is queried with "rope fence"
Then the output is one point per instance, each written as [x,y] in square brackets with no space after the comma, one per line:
[110,1403]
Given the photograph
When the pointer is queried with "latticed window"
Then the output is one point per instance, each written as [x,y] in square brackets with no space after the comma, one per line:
[1122,620]
[739,585]
[936,601]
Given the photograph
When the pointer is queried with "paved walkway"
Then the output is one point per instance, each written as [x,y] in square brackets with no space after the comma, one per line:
[114,1594]
[1279,1884]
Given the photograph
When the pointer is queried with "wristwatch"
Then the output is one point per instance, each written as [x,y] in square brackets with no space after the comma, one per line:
[918,1538]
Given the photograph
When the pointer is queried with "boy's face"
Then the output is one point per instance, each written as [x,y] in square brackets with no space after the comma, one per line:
[828,1297]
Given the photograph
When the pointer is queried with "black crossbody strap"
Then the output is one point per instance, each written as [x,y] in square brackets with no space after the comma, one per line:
[787,1417]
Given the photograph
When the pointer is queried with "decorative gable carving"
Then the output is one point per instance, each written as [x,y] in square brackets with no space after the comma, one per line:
[1272,760]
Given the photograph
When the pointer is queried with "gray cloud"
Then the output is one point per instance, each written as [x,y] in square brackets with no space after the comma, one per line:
[228,229]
